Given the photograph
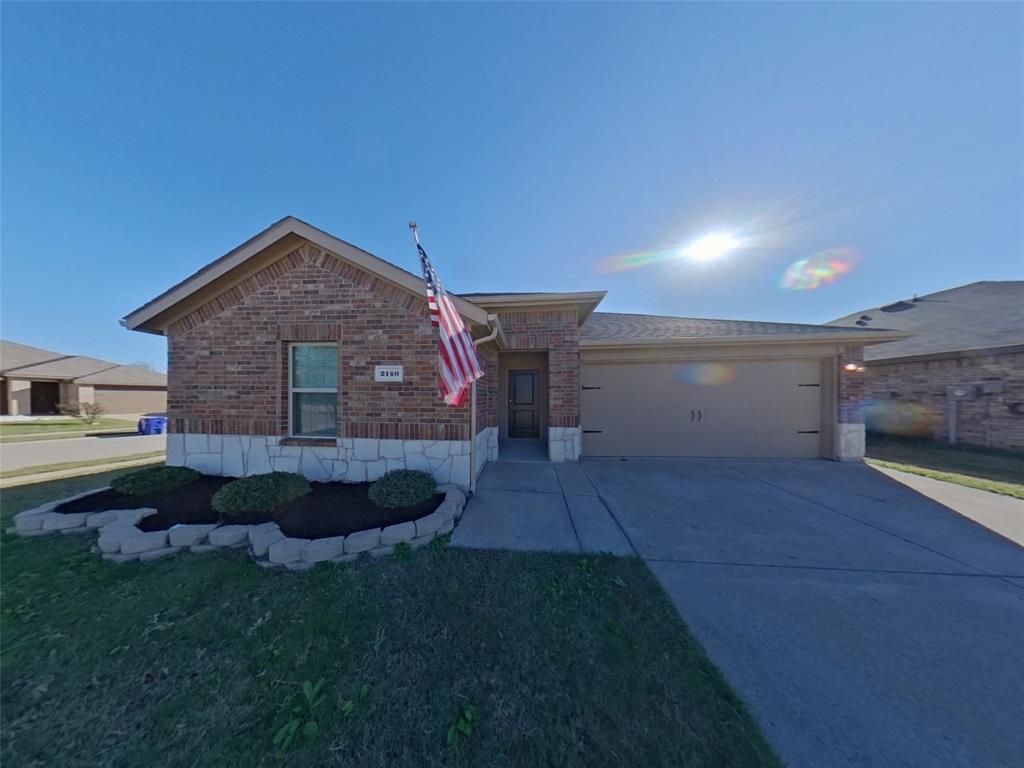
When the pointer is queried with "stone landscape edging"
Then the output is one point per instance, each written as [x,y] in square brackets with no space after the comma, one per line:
[120,539]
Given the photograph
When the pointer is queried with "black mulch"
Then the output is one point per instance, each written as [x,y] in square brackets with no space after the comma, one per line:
[330,509]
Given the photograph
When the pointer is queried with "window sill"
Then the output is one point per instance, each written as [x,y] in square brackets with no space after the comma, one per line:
[310,442]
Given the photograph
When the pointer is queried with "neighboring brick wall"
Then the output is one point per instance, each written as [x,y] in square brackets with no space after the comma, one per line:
[910,398]
[228,359]
[556,331]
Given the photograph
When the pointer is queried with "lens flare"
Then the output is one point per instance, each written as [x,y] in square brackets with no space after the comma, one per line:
[899,417]
[629,261]
[820,269]
[708,374]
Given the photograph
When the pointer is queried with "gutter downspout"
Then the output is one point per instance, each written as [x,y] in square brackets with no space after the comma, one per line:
[492,321]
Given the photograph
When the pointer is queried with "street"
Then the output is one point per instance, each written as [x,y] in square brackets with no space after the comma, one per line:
[18,455]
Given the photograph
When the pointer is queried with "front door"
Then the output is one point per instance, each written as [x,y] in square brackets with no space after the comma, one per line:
[523,418]
[45,396]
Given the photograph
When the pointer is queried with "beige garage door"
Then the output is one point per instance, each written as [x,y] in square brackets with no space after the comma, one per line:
[766,409]
[137,400]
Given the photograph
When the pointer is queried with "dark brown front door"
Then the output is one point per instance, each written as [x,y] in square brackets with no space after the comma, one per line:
[523,419]
[45,396]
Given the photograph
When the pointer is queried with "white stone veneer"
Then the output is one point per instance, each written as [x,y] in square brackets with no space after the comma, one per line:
[850,442]
[352,460]
[565,443]
[486,448]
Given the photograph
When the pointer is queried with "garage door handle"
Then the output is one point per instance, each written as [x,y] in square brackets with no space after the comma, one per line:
[700,415]
[692,415]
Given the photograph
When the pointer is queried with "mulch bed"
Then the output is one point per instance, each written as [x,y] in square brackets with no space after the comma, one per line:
[330,509]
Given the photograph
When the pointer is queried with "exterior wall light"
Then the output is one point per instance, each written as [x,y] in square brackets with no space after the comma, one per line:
[854,368]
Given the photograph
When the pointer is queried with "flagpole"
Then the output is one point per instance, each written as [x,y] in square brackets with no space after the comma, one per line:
[414,228]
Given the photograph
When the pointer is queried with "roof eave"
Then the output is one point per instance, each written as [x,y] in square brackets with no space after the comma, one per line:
[586,300]
[792,338]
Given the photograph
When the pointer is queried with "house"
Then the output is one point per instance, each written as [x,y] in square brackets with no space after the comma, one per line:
[297,351]
[960,376]
[36,381]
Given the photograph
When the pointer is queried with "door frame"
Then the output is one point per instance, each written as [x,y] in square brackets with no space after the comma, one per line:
[535,375]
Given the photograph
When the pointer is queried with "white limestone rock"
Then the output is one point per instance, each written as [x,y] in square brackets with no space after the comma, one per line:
[319,550]
[362,541]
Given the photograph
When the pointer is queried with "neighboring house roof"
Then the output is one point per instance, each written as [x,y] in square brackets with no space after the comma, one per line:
[20,361]
[615,328]
[14,355]
[125,376]
[985,315]
[219,275]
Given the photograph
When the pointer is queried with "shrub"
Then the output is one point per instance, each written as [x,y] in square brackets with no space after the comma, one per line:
[153,480]
[402,488]
[259,493]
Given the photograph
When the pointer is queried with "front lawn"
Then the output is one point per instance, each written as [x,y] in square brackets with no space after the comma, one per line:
[42,430]
[987,469]
[195,660]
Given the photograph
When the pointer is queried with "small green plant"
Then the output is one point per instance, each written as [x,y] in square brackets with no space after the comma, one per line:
[402,553]
[300,721]
[462,725]
[350,706]
[402,488]
[153,480]
[259,493]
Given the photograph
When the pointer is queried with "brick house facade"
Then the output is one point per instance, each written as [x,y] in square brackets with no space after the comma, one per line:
[912,398]
[959,374]
[238,330]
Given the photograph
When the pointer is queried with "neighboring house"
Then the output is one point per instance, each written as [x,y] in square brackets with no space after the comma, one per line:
[961,373]
[36,381]
[298,351]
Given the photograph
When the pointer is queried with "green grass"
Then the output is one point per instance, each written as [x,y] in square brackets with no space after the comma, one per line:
[64,465]
[989,469]
[195,660]
[16,432]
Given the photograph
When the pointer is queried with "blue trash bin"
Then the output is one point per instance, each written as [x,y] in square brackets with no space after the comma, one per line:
[153,425]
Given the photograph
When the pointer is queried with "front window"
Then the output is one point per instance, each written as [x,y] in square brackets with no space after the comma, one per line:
[313,390]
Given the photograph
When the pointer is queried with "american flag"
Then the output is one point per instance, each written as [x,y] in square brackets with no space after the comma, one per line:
[458,365]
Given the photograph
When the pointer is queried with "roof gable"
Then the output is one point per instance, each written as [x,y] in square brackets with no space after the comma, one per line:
[274,242]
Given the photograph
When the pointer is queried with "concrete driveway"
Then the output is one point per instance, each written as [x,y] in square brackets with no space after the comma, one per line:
[863,623]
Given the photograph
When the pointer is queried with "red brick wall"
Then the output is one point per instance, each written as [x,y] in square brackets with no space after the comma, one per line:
[851,387]
[556,331]
[487,388]
[910,398]
[228,359]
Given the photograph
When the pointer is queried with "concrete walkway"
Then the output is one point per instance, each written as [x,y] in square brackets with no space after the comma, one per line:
[999,513]
[33,454]
[535,506]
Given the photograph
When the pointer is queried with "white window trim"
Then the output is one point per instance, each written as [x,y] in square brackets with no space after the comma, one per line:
[300,390]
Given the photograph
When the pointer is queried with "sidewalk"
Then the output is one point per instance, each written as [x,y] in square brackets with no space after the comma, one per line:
[1001,514]
[538,507]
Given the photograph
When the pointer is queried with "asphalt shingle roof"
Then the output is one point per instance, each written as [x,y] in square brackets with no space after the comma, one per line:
[616,326]
[21,361]
[982,315]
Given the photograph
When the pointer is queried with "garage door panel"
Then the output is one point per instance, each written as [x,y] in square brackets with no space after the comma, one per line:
[740,409]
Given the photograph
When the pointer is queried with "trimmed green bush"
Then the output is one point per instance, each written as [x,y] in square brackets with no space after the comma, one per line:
[153,480]
[402,488]
[259,493]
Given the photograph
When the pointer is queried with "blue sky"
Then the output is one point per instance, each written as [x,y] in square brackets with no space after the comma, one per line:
[531,142]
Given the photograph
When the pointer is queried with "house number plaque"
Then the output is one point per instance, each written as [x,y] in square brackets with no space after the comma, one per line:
[388,373]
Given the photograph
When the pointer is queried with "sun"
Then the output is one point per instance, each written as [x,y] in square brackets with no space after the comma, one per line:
[710,247]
